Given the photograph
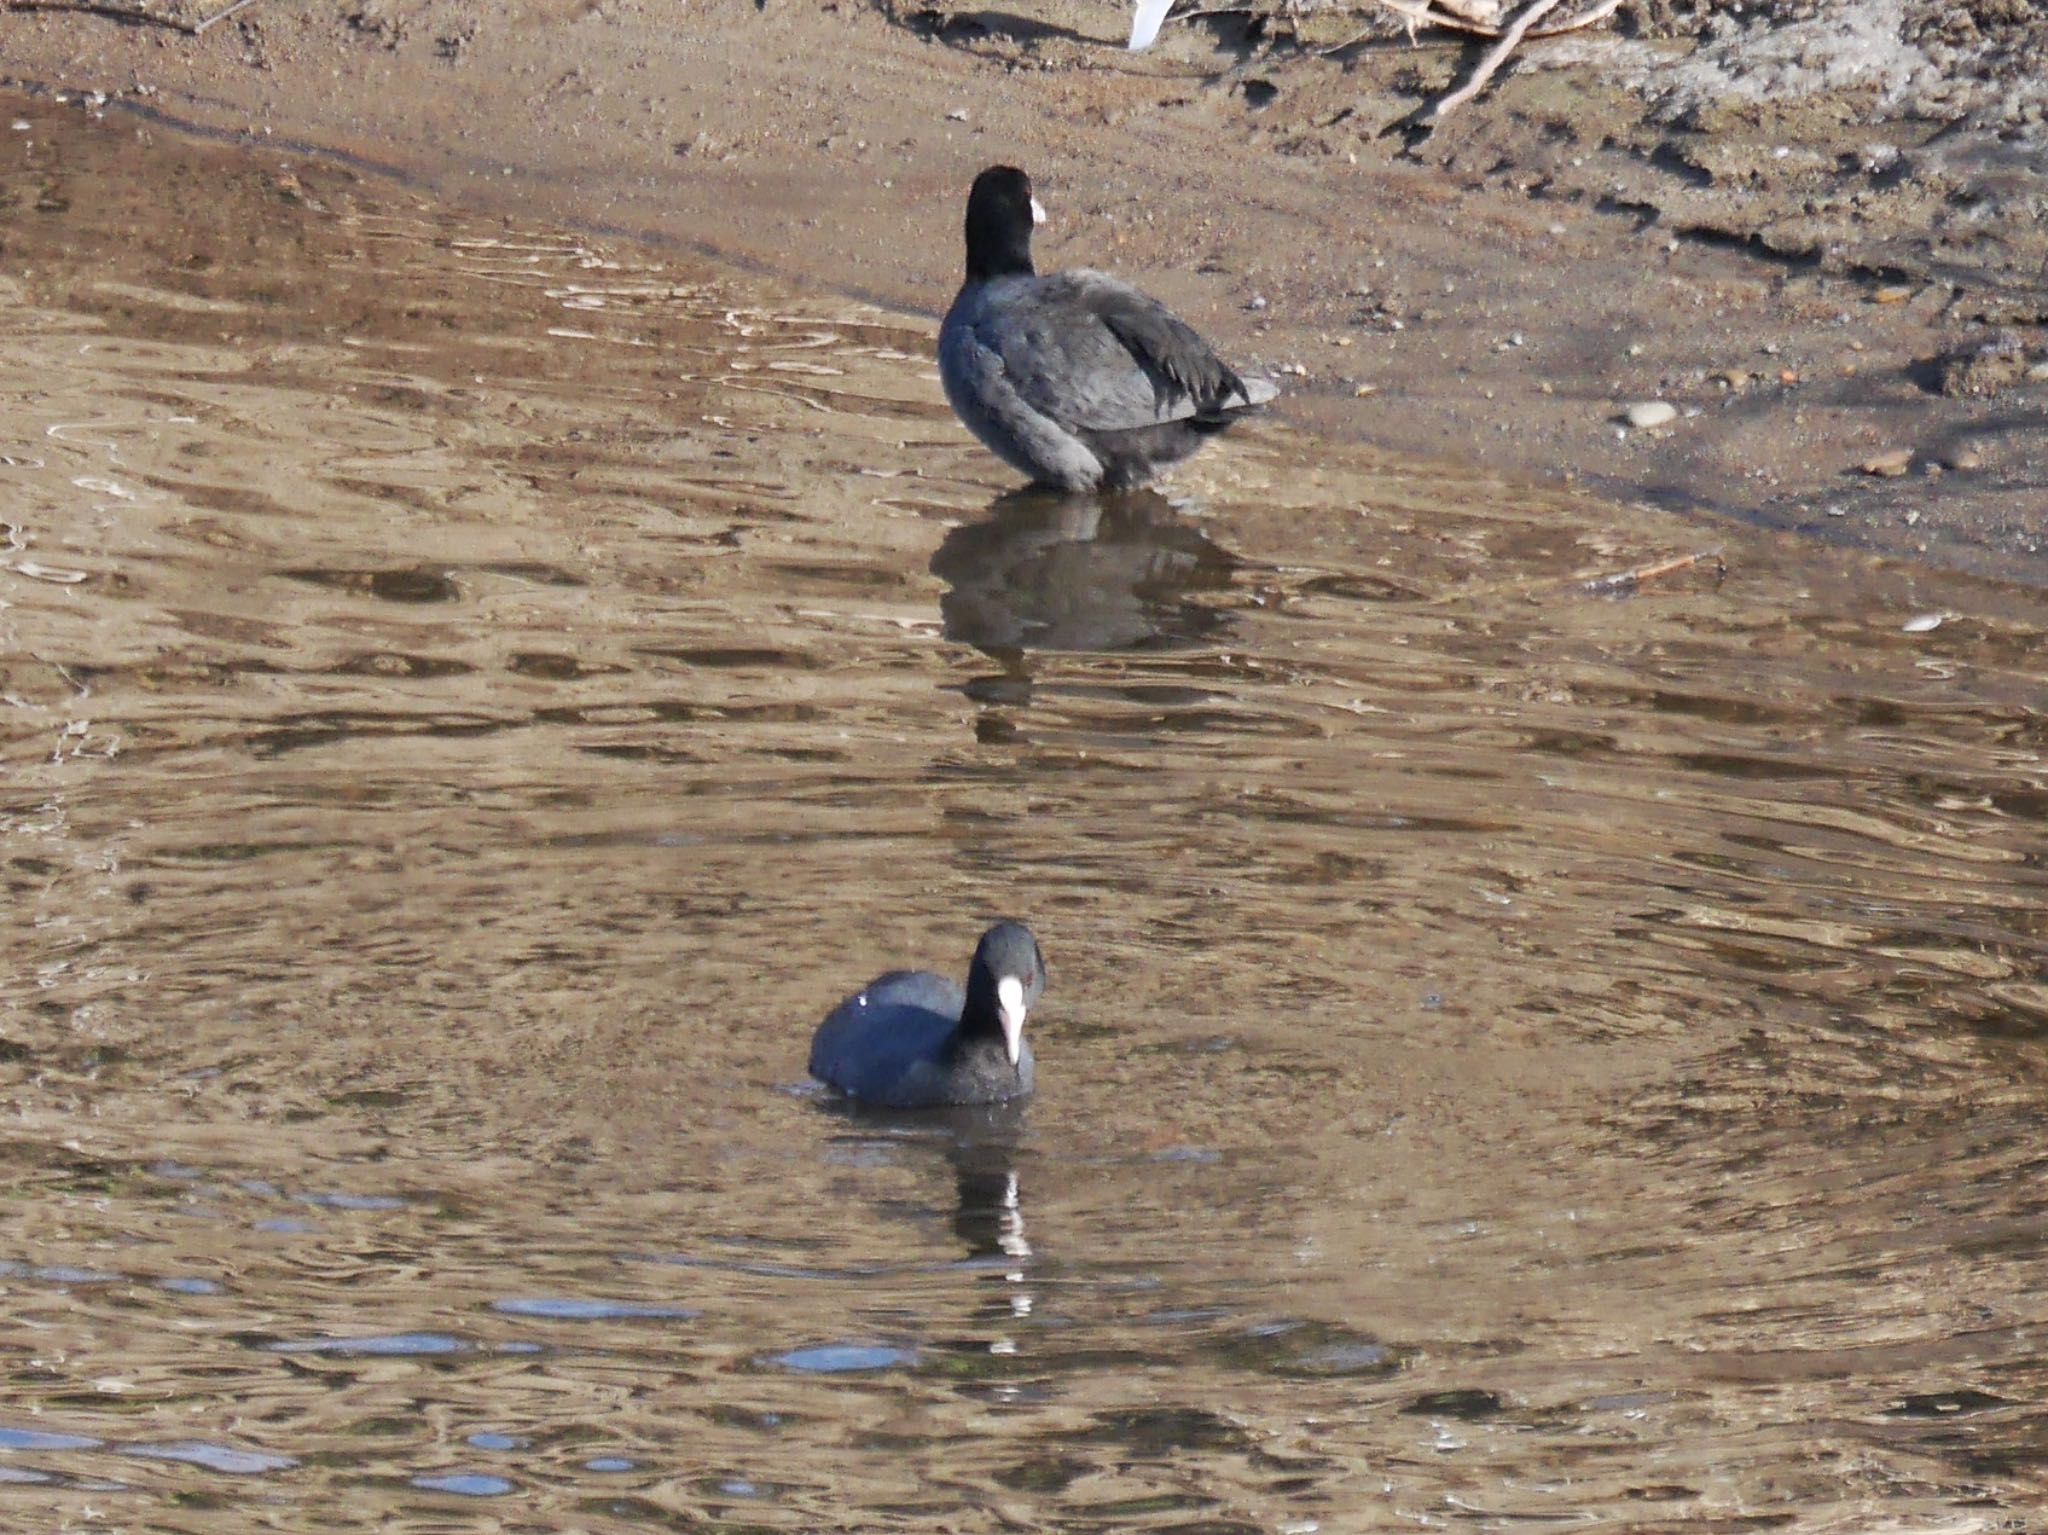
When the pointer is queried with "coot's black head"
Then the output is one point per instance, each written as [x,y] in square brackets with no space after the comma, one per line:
[1000,214]
[1005,982]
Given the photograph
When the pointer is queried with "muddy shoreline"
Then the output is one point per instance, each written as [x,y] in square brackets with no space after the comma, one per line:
[1843,308]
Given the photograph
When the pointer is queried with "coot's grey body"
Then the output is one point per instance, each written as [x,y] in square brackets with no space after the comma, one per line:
[912,1039]
[1074,378]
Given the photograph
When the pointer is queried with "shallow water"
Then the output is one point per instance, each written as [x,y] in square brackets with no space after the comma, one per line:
[472,699]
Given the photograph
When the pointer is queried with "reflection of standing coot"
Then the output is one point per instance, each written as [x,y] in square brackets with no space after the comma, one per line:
[911,1039]
[1074,378]
[1055,573]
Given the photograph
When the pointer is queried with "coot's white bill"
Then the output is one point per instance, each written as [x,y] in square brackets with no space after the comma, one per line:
[1146,20]
[1010,1013]
[1037,211]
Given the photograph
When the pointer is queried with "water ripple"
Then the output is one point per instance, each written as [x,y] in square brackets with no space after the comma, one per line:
[214,1457]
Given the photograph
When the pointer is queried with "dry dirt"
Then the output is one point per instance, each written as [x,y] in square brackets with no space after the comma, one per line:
[1814,227]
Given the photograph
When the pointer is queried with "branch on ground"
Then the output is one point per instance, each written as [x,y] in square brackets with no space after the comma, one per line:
[140,14]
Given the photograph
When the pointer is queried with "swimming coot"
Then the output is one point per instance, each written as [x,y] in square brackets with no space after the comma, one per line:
[1078,380]
[911,1039]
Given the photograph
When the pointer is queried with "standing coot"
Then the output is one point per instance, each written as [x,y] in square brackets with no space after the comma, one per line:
[1079,380]
[911,1039]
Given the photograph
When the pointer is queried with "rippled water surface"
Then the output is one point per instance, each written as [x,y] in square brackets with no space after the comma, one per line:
[1519,1052]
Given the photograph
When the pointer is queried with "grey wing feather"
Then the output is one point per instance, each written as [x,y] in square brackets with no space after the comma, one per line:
[985,393]
[1095,353]
[1179,361]
[885,1034]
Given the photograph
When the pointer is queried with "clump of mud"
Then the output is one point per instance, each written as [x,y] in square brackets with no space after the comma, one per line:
[1981,61]
[1985,61]
[1894,139]
[1980,369]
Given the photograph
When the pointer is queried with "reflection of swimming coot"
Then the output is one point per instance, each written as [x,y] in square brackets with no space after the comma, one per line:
[988,1213]
[1074,378]
[1052,573]
[911,1039]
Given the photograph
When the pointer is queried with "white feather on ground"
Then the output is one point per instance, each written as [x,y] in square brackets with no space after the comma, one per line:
[1145,22]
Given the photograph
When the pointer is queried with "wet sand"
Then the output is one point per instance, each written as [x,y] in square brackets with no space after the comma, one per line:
[1496,297]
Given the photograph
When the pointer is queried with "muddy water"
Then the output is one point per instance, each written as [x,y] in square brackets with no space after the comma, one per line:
[1517,1050]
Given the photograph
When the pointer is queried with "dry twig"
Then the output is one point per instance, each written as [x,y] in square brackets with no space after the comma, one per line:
[222,15]
[1417,15]
[1630,580]
[1496,56]
[138,13]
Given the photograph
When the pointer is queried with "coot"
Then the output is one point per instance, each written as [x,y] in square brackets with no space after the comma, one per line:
[1077,379]
[911,1039]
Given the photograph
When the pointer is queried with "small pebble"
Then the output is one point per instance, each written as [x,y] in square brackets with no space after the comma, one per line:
[1651,413]
[1890,465]
[1923,623]
[2038,372]
[957,115]
[1963,456]
[1892,293]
